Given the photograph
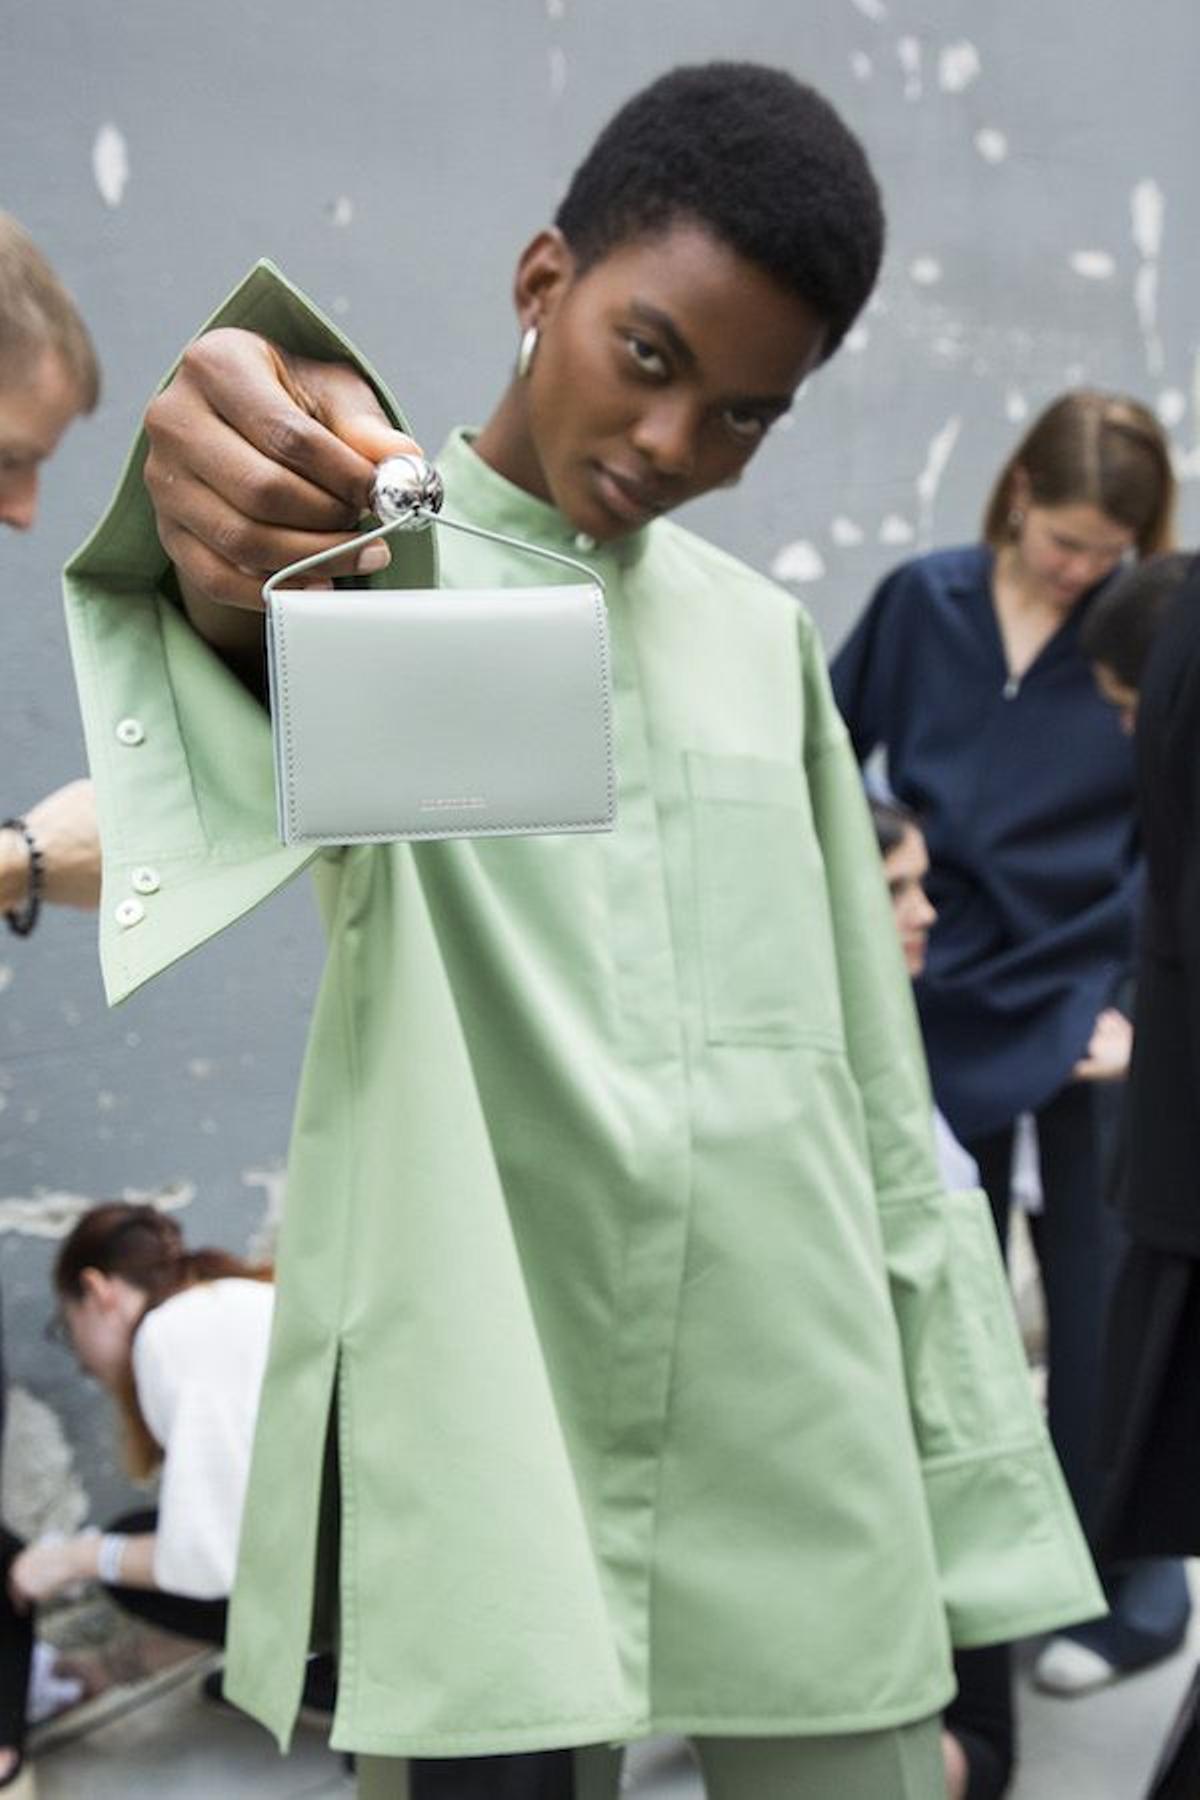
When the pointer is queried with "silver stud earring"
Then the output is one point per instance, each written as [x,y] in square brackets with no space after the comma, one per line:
[529,343]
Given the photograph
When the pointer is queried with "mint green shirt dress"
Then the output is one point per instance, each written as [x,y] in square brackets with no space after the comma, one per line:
[631,1372]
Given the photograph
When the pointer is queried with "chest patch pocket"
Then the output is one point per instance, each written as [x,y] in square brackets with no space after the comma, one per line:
[767,967]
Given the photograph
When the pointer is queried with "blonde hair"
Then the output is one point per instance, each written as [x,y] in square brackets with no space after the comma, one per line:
[37,314]
[1104,450]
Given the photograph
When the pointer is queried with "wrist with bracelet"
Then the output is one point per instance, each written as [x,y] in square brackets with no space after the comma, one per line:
[22,919]
[110,1556]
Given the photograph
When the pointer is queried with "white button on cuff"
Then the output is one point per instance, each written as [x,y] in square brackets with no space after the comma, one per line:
[145,881]
[584,541]
[130,912]
[131,732]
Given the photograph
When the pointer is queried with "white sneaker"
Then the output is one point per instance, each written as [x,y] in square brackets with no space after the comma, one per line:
[1067,1668]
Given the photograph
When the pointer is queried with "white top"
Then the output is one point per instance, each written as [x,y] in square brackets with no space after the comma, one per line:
[198,1362]
[956,1166]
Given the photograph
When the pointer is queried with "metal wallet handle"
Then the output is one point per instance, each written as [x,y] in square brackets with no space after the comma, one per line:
[407,495]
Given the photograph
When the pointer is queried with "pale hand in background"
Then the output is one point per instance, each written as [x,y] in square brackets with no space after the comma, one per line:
[64,829]
[1110,1048]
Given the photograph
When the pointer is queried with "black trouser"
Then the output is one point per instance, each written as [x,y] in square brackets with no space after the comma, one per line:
[982,1718]
[536,1775]
[16,1648]
[1078,1242]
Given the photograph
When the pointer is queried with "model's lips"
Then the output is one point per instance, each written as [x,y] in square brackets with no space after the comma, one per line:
[627,500]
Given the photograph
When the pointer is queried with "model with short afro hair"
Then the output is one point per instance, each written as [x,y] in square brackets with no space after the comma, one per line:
[760,160]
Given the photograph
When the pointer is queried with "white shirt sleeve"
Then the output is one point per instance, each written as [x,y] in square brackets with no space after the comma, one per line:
[198,1362]
[957,1167]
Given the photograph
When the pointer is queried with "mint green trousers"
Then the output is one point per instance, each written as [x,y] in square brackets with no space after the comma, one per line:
[904,1763]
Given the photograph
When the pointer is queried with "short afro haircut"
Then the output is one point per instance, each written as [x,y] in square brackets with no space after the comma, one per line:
[757,158]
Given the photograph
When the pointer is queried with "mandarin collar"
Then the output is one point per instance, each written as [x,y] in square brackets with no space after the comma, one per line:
[485,497]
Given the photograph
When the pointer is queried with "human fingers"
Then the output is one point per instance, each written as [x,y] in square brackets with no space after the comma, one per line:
[319,422]
[347,405]
[227,555]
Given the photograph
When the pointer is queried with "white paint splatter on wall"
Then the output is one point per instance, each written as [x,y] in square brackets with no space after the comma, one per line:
[895,530]
[263,1245]
[926,271]
[845,532]
[555,9]
[908,50]
[857,339]
[52,1215]
[861,66]
[558,72]
[1147,209]
[800,561]
[6,976]
[1016,406]
[1093,265]
[1171,407]
[941,449]
[340,212]
[958,67]
[1147,212]
[871,9]
[991,144]
[110,164]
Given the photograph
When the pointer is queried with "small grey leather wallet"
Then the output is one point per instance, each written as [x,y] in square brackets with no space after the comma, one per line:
[438,712]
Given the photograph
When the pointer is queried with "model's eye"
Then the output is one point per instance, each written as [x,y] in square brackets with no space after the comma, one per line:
[649,360]
[749,426]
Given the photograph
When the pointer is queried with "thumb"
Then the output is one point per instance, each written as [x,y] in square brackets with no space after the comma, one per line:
[373,436]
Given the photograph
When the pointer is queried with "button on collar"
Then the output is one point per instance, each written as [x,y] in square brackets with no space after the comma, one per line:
[584,542]
[129,912]
[131,732]
[145,881]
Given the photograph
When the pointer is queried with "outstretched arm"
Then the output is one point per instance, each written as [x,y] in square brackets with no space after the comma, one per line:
[258,458]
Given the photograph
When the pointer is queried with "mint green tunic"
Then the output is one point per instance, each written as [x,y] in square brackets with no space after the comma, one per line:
[668,1392]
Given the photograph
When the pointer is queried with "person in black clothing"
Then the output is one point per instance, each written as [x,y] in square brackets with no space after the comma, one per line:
[1144,642]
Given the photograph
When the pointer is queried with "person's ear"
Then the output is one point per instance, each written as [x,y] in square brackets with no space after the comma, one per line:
[95,1285]
[544,273]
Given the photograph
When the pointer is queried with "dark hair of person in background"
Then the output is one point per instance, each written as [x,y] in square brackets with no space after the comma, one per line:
[145,1247]
[891,819]
[1120,629]
[38,314]
[1102,449]
[804,205]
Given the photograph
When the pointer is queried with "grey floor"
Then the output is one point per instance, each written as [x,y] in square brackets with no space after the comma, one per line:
[176,1746]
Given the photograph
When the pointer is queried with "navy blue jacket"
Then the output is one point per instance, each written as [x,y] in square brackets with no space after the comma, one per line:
[1026,797]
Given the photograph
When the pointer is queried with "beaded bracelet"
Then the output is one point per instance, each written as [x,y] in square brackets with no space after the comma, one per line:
[23,920]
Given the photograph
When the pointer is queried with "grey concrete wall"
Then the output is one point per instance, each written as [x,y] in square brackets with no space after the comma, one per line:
[1038,160]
